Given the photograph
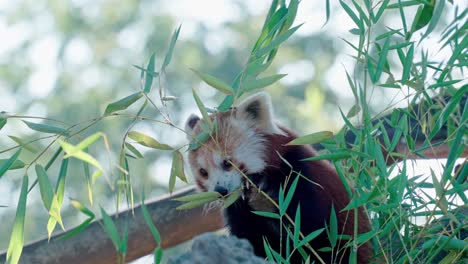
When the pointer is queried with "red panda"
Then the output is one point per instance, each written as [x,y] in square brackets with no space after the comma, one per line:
[247,142]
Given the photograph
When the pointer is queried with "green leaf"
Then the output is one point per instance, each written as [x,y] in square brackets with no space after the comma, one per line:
[110,228]
[84,225]
[276,42]
[287,200]
[199,196]
[178,166]
[382,60]
[327,11]
[17,235]
[158,255]
[147,141]
[9,163]
[133,150]
[297,226]
[353,16]
[331,156]
[267,214]
[72,151]
[193,204]
[168,57]
[123,103]
[26,145]
[89,140]
[408,64]
[444,84]
[310,237]
[60,186]
[149,75]
[55,216]
[311,138]
[202,108]
[215,82]
[254,84]
[17,164]
[231,198]
[333,235]
[353,111]
[82,208]
[46,128]
[382,8]
[44,186]
[149,222]
[199,140]
[3,122]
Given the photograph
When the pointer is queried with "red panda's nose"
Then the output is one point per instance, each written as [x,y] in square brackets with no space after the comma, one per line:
[221,190]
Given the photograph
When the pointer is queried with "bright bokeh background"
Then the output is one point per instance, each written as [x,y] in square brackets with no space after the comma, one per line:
[67,60]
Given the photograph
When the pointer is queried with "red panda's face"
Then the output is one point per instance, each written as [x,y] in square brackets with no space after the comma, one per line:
[236,148]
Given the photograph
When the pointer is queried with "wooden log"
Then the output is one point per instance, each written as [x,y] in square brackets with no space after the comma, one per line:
[93,246]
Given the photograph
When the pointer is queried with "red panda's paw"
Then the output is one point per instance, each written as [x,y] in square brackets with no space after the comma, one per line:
[256,198]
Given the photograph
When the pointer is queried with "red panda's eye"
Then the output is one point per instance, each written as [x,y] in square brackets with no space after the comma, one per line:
[227,165]
[203,173]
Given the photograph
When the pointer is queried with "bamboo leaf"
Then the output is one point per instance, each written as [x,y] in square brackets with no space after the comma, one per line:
[110,228]
[215,82]
[168,57]
[133,150]
[199,196]
[260,83]
[147,141]
[149,75]
[353,16]
[382,60]
[178,166]
[407,64]
[231,198]
[199,140]
[89,140]
[26,145]
[3,122]
[46,128]
[17,164]
[355,109]
[55,216]
[123,103]
[331,156]
[60,186]
[333,235]
[267,214]
[44,186]
[158,255]
[287,200]
[149,222]
[193,204]
[202,108]
[312,138]
[310,237]
[15,246]
[9,163]
[276,42]
[72,151]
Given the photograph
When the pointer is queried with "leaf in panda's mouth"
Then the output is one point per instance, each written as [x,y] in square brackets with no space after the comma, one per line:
[231,198]
[197,199]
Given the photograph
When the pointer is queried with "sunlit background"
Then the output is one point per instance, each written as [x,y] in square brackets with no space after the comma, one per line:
[67,60]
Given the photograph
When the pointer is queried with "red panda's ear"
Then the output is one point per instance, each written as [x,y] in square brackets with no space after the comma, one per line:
[258,109]
[190,125]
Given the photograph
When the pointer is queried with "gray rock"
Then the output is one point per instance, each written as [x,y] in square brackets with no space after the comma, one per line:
[210,248]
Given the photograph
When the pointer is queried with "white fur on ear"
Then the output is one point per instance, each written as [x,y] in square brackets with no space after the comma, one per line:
[258,109]
[190,125]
